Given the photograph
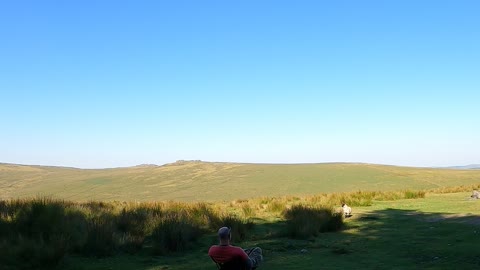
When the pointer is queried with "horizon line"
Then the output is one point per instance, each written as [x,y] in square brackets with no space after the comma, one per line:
[249,163]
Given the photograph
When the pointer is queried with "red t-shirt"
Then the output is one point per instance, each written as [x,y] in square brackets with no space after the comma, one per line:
[223,254]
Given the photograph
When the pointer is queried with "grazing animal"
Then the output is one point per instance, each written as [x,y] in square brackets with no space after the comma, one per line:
[347,210]
[475,194]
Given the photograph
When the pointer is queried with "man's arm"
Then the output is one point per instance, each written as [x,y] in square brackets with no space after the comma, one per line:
[243,255]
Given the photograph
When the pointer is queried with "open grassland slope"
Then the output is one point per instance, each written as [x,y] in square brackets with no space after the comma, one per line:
[439,231]
[209,181]
[395,230]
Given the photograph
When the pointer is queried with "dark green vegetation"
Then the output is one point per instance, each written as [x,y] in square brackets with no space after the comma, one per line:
[39,233]
[205,181]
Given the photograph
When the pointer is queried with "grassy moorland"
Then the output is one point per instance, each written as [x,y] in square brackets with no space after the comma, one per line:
[404,218]
[440,231]
[206,181]
[389,230]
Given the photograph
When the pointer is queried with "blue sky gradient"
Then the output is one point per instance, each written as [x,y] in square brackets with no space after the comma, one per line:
[97,84]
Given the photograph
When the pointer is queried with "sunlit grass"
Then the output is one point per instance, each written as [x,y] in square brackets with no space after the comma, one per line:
[209,181]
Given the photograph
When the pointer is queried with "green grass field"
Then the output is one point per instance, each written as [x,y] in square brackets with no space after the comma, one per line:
[204,181]
[440,231]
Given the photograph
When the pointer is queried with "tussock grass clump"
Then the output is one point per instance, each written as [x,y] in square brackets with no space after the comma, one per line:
[398,195]
[362,198]
[276,206]
[248,210]
[203,215]
[358,198]
[98,206]
[41,218]
[174,234]
[329,200]
[411,194]
[463,188]
[28,253]
[34,232]
[133,225]
[305,222]
[133,220]
[100,240]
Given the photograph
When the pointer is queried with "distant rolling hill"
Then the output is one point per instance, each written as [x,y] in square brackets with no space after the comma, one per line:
[210,181]
[466,167]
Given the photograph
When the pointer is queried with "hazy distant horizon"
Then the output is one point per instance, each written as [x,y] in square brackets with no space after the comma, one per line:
[102,84]
[239,162]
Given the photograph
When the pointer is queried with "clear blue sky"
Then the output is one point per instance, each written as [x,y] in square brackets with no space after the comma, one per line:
[117,83]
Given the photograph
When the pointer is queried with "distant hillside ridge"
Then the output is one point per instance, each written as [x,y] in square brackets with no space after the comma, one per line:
[466,167]
[216,181]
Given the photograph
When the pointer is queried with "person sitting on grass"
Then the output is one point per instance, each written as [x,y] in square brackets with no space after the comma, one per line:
[225,253]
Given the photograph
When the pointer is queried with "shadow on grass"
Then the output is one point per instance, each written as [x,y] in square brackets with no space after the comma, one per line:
[383,239]
[386,239]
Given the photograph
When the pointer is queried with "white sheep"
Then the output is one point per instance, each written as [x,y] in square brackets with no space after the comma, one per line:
[347,210]
[475,194]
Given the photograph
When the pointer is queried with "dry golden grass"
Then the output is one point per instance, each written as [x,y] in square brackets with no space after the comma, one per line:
[205,181]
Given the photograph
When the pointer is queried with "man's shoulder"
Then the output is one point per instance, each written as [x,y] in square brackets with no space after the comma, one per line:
[227,248]
[213,249]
